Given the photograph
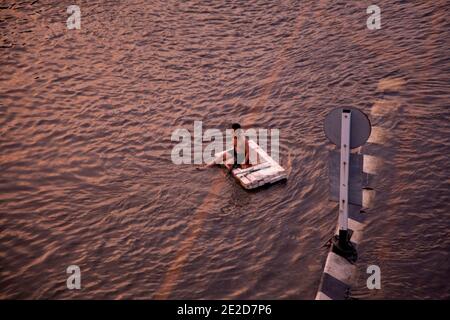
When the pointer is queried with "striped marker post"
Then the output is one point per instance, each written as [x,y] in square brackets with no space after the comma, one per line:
[339,274]
[348,129]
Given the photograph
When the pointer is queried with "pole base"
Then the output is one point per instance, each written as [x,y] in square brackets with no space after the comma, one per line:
[343,247]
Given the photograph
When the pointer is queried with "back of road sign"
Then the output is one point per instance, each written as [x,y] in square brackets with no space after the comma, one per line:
[360,127]
[354,179]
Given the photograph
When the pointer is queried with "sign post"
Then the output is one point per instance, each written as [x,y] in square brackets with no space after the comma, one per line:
[347,128]
[344,174]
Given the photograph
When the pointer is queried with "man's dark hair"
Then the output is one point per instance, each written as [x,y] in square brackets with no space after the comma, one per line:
[235,126]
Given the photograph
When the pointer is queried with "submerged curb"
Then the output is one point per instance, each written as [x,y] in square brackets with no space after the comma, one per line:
[339,273]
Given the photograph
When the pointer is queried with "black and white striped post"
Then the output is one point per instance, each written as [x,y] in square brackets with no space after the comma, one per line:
[347,128]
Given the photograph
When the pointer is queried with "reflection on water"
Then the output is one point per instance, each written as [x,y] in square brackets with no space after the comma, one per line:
[87,115]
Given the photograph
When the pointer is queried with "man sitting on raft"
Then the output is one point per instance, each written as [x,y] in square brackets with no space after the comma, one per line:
[240,152]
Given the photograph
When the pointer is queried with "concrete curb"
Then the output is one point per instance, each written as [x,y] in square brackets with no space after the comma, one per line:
[339,274]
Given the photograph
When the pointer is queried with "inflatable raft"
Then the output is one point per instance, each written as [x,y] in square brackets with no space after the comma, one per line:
[267,171]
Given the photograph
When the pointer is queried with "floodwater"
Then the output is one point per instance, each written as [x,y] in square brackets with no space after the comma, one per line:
[85,143]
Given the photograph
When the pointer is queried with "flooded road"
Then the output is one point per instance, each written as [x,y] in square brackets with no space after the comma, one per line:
[85,146]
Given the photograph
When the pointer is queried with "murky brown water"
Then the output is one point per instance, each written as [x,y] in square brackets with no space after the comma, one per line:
[87,116]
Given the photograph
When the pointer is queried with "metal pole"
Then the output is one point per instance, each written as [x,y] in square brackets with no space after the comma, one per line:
[344,173]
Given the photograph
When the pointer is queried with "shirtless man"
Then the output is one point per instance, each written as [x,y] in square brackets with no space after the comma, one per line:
[241,150]
[239,154]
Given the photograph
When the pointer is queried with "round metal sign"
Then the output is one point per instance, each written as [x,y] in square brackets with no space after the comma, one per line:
[360,127]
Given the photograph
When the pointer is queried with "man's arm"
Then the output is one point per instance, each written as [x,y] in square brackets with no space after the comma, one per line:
[247,153]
